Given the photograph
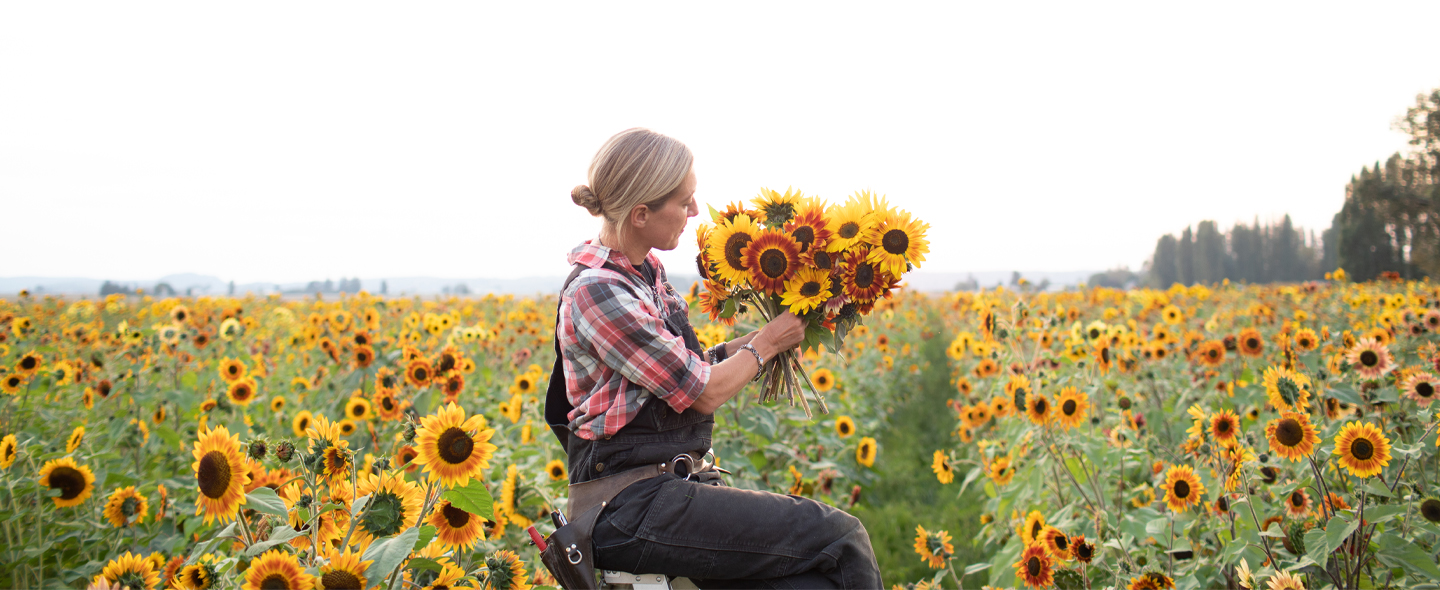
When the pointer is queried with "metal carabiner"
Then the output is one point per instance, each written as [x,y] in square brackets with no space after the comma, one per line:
[686,460]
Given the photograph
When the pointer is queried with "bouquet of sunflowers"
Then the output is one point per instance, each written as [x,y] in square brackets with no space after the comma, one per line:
[828,264]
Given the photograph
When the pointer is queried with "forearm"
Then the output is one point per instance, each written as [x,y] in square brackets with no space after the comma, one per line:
[726,380]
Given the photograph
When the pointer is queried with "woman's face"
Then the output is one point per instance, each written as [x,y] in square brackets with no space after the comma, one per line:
[664,226]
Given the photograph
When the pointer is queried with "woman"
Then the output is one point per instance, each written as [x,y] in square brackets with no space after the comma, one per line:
[644,393]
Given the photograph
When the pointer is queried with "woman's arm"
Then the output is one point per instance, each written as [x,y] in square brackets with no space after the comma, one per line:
[785,332]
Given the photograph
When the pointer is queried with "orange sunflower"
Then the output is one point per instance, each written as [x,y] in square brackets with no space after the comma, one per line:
[863,280]
[1034,567]
[772,259]
[1224,426]
[1211,353]
[456,528]
[1291,436]
[1420,387]
[1363,449]
[1250,343]
[810,228]
[1182,488]
[276,569]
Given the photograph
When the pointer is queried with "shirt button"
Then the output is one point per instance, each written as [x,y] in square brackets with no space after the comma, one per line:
[599,467]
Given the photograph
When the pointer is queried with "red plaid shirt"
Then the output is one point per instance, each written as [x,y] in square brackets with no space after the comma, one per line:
[617,351]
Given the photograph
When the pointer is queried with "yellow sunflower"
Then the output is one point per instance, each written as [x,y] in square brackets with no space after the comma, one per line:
[1182,488]
[7,451]
[419,373]
[844,426]
[1291,436]
[727,246]
[1306,340]
[220,473]
[231,370]
[131,571]
[301,422]
[452,448]
[456,528]
[896,240]
[76,437]
[865,452]
[773,258]
[1072,405]
[342,571]
[276,569]
[1211,353]
[933,548]
[1037,408]
[777,207]
[807,289]
[556,469]
[1297,504]
[395,505]
[1287,390]
[942,468]
[1001,470]
[1034,567]
[241,391]
[823,380]
[851,221]
[387,407]
[357,408]
[75,482]
[1056,543]
[1283,580]
[1363,449]
[126,507]
[1032,527]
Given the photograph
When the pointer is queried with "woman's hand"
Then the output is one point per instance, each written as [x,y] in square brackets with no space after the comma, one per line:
[785,332]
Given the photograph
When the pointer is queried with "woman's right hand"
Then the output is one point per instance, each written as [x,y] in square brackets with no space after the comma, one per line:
[783,333]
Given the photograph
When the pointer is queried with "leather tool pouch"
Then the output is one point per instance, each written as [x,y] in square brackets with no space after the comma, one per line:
[570,553]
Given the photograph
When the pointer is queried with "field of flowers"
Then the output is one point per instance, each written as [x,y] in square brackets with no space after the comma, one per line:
[1221,436]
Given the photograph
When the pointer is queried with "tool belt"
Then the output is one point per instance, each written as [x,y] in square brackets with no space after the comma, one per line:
[569,552]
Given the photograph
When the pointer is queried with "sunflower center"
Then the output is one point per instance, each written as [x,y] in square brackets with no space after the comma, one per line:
[335,460]
[805,235]
[1297,499]
[1182,489]
[1069,407]
[1430,509]
[69,481]
[1252,343]
[233,370]
[1212,353]
[275,581]
[822,260]
[1362,449]
[27,363]
[845,427]
[1289,432]
[454,446]
[1223,426]
[1032,566]
[213,474]
[1085,551]
[456,517]
[1041,406]
[864,275]
[406,457]
[734,247]
[358,410]
[774,263]
[1105,354]
[849,230]
[1062,542]
[129,506]
[387,403]
[340,579]
[1369,358]
[421,374]
[895,241]
[242,392]
[810,289]
[1424,389]
[447,362]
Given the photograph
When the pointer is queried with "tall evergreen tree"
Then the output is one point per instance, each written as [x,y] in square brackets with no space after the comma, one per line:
[1185,261]
[1164,264]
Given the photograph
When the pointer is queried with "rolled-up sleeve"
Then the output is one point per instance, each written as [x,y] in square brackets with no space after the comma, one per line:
[618,328]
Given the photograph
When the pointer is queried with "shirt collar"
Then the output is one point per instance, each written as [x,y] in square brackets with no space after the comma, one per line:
[594,255]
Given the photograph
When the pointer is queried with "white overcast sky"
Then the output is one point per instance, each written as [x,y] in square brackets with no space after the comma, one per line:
[290,141]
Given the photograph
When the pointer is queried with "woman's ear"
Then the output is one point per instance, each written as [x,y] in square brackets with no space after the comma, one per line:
[639,215]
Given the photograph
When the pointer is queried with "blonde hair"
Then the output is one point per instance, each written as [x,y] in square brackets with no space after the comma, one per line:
[635,167]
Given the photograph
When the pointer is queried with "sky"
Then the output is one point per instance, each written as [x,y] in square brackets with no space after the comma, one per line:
[282,141]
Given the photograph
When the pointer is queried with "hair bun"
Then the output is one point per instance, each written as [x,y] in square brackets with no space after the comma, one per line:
[584,197]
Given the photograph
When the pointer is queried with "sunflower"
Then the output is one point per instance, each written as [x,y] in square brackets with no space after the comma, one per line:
[419,373]
[454,449]
[231,370]
[1370,358]
[449,576]
[11,383]
[1297,504]
[1001,470]
[75,482]
[1224,426]
[556,469]
[1081,550]
[241,391]
[198,576]
[823,380]
[806,290]
[362,356]
[1037,408]
[1291,436]
[525,384]
[301,422]
[1250,343]
[862,279]
[1283,580]
[277,569]
[29,364]
[1182,488]
[898,241]
[342,571]
[1151,581]
[126,507]
[357,408]
[1287,390]
[727,246]
[387,407]
[1430,509]
[1032,527]
[933,548]
[844,426]
[942,468]
[1420,387]
[773,258]
[76,437]
[1034,567]
[1073,405]
[7,451]
[395,505]
[777,208]
[1211,353]
[851,221]
[456,528]
[810,228]
[507,572]
[986,368]
[1144,497]
[1363,449]
[220,473]
[1056,543]
[865,452]
[131,571]
[1306,340]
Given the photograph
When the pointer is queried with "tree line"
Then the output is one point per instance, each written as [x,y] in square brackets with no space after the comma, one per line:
[1390,223]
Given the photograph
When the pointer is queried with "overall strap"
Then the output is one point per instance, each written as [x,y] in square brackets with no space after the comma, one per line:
[557,401]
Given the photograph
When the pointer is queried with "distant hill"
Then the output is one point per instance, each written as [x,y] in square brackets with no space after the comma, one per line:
[196,284]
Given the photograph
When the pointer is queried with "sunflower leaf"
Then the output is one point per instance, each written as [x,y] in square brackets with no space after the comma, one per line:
[388,553]
[976,567]
[474,498]
[426,534]
[281,535]
[359,505]
[420,563]
[264,500]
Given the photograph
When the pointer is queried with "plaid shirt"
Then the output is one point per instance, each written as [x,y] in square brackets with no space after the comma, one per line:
[617,351]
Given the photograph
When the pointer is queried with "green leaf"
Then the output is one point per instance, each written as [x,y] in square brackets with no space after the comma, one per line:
[1376,488]
[426,534]
[970,478]
[264,500]
[280,535]
[1346,394]
[388,553]
[474,498]
[1157,526]
[731,305]
[420,563]
[171,439]
[1336,531]
[1315,547]
[359,505]
[1379,514]
[1404,554]
[976,567]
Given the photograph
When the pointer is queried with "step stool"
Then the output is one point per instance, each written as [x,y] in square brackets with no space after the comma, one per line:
[620,580]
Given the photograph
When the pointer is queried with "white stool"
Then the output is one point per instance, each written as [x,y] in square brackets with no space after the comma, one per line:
[618,580]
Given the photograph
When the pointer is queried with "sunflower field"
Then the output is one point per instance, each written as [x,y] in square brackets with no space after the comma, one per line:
[1209,436]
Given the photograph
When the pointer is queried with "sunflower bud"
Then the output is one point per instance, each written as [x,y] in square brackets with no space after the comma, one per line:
[305,501]
[285,451]
[1264,457]
[409,432]
[383,463]
[257,449]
